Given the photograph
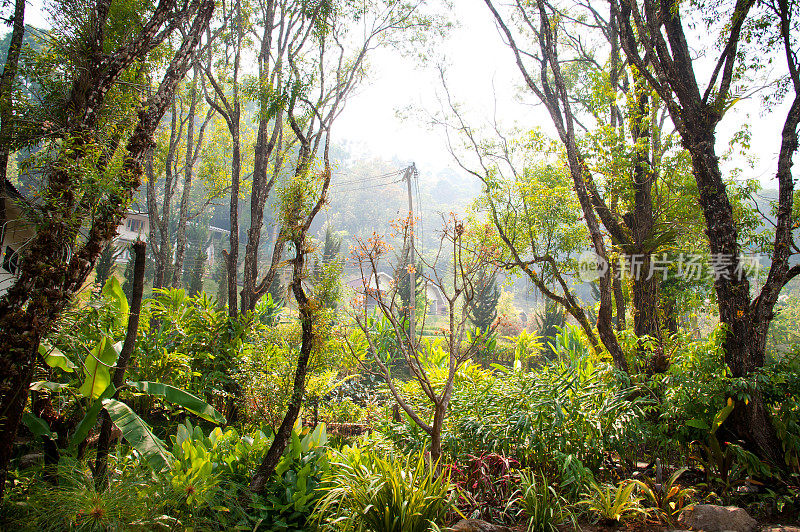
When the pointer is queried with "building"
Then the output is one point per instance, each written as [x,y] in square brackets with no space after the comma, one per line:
[436,303]
[135,226]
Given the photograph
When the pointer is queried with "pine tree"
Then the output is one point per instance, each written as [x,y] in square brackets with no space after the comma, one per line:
[328,272]
[198,272]
[222,280]
[105,265]
[482,310]
[127,285]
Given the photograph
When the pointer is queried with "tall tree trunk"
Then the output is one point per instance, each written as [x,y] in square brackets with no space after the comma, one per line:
[128,346]
[696,116]
[159,222]
[646,299]
[7,103]
[188,173]
[281,439]
[233,255]
[267,143]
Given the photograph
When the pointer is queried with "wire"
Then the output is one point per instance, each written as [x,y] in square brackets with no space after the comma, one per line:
[364,179]
[339,191]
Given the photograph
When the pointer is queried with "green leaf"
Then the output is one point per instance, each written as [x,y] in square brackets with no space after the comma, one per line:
[113,291]
[722,415]
[698,424]
[39,386]
[97,365]
[138,434]
[90,419]
[174,395]
[37,425]
[54,358]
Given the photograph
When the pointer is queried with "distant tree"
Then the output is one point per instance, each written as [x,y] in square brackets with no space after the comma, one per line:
[482,309]
[105,265]
[332,246]
[221,277]
[198,272]
[328,271]
[127,284]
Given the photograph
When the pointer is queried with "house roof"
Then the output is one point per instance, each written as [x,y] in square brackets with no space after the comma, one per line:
[12,192]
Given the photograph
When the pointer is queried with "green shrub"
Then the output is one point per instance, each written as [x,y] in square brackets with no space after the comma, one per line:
[368,493]
[613,504]
[539,502]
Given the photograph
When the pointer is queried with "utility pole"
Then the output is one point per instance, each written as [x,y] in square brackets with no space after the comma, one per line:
[411,171]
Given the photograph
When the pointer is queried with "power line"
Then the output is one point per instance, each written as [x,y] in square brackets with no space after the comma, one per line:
[368,178]
[340,191]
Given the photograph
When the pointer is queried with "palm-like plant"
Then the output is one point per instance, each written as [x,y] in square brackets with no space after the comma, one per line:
[613,504]
[667,499]
[366,492]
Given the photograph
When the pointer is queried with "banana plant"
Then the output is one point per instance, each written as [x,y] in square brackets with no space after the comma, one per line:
[91,385]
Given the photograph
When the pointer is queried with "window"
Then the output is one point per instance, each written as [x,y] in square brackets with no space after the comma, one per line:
[134,225]
[11,261]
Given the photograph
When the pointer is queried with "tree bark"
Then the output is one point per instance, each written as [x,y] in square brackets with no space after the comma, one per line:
[7,103]
[128,346]
[281,439]
[188,174]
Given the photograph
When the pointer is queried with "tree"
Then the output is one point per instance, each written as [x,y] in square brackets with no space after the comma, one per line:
[328,43]
[7,81]
[227,103]
[106,264]
[655,41]
[222,283]
[127,283]
[327,273]
[482,310]
[467,256]
[198,272]
[56,263]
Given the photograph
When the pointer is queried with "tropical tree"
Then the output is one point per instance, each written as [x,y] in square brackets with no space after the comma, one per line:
[655,39]
[91,177]
[482,309]
[464,257]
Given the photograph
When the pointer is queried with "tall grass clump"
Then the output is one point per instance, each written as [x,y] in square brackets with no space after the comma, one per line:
[365,492]
[539,502]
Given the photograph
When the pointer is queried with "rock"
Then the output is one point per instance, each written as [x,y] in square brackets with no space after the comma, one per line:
[713,518]
[29,460]
[474,525]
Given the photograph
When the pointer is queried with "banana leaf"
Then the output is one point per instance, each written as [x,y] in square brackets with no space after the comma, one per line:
[138,434]
[174,395]
[97,365]
[54,358]
[113,291]
[90,419]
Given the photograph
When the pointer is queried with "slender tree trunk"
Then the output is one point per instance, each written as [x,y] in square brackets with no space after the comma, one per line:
[233,254]
[267,467]
[7,103]
[128,346]
[440,411]
[188,174]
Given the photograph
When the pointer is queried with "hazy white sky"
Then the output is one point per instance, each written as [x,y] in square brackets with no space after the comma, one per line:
[482,74]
